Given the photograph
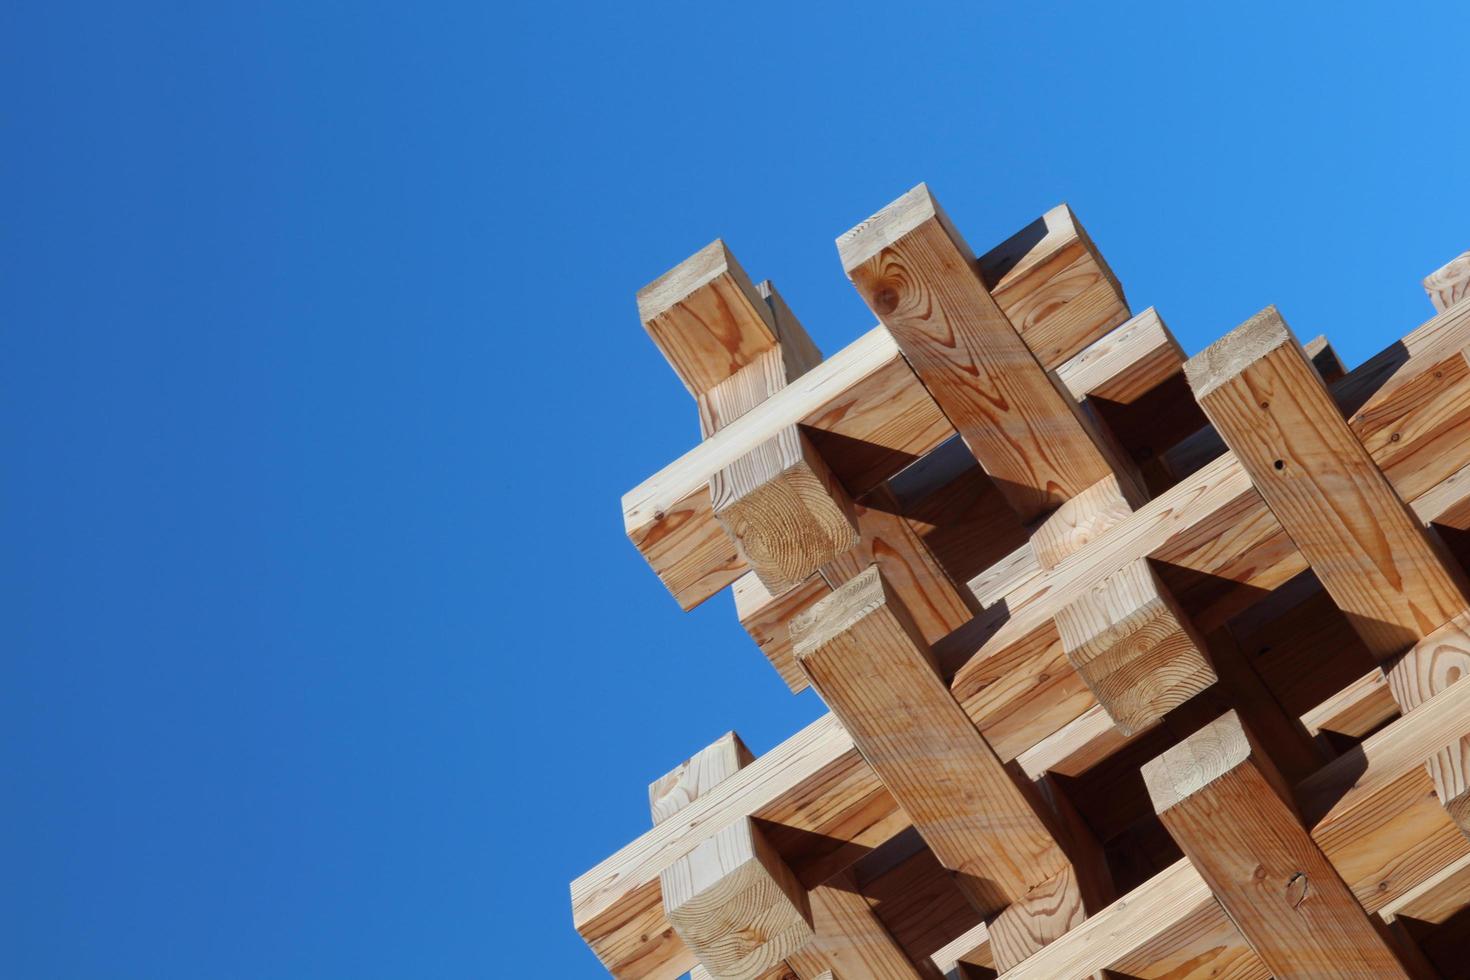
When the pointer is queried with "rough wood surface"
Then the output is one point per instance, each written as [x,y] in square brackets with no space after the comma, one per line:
[736,904]
[786,512]
[697,775]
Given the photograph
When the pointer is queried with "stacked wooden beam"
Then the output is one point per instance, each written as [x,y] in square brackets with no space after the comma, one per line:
[1138,665]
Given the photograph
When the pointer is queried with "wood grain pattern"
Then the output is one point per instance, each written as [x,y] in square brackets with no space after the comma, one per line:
[915,272]
[706,317]
[1355,710]
[1440,896]
[865,395]
[1450,283]
[1433,665]
[784,509]
[1054,285]
[869,662]
[1135,647]
[850,937]
[697,775]
[1171,920]
[1041,916]
[1125,363]
[767,618]
[1222,801]
[736,904]
[1266,401]
[1080,520]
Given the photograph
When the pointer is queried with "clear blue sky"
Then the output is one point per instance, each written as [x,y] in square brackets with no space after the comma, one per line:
[324,653]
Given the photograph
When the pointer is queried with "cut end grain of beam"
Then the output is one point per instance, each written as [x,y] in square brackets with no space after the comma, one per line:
[1225,359]
[736,904]
[786,512]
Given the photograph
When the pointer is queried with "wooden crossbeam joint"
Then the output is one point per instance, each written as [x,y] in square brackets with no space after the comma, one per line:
[917,274]
[1271,408]
[1450,283]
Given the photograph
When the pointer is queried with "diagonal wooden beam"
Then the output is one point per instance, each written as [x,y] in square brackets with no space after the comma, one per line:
[1268,404]
[921,743]
[1222,800]
[916,273]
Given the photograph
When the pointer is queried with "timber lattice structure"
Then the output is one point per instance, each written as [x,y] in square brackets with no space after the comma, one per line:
[1138,665]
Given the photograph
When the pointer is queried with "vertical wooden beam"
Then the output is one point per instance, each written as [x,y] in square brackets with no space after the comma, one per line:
[1225,804]
[849,936]
[1450,283]
[732,900]
[1268,404]
[869,662]
[917,274]
[1134,646]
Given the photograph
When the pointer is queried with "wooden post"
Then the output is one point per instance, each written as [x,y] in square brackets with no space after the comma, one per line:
[1224,803]
[916,273]
[1268,404]
[1134,646]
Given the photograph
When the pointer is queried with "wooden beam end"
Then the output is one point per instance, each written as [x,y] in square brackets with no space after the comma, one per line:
[899,219]
[785,511]
[1204,757]
[1232,354]
[736,904]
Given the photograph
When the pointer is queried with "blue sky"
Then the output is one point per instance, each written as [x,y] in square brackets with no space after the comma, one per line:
[325,654]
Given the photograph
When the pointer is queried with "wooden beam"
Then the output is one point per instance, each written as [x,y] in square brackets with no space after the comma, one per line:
[1078,521]
[786,512]
[1124,364]
[1171,920]
[1077,746]
[915,272]
[922,745]
[1440,896]
[697,775]
[706,317]
[863,396]
[767,618]
[1135,647]
[1431,666]
[1224,803]
[1329,366]
[850,937]
[1268,404]
[1357,709]
[1450,283]
[736,904]
[1054,285]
